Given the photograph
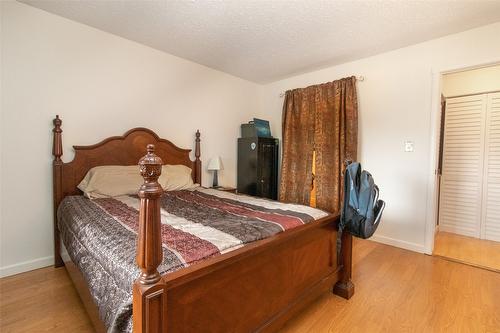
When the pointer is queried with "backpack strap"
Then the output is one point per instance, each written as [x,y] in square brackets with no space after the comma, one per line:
[345,202]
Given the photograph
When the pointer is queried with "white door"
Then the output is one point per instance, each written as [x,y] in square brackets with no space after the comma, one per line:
[490,227]
[463,156]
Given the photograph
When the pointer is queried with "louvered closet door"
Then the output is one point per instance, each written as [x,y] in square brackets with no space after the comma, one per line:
[491,195]
[463,156]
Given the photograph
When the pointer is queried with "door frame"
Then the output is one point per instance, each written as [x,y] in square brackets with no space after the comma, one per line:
[435,129]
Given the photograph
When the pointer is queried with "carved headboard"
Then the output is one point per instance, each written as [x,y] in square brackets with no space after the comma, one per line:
[116,150]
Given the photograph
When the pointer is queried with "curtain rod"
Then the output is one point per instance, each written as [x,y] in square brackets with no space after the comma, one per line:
[358,78]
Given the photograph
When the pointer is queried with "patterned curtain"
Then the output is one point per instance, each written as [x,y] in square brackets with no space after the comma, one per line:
[321,118]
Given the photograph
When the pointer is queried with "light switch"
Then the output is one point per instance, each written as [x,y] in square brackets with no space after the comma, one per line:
[409,146]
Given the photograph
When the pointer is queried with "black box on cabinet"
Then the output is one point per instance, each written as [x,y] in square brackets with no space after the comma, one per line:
[258,167]
[256,128]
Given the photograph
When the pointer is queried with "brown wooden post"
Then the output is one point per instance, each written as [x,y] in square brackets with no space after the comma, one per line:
[197,161]
[149,292]
[57,190]
[345,288]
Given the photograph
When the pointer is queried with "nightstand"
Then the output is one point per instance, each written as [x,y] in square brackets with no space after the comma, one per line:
[225,189]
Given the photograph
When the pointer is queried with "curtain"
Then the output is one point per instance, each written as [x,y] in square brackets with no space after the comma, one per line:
[321,118]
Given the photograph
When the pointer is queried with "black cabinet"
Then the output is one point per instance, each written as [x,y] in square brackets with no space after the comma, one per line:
[258,167]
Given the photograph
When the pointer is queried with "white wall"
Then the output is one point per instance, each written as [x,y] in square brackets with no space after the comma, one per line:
[479,80]
[100,85]
[396,103]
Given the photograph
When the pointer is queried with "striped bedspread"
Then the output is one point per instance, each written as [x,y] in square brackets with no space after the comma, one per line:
[100,237]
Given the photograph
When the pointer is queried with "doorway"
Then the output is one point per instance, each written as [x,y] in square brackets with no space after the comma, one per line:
[468,224]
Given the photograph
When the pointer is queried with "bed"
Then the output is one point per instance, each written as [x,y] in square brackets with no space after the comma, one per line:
[197,260]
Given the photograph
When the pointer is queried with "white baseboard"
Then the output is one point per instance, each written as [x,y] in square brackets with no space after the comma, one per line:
[399,243]
[26,266]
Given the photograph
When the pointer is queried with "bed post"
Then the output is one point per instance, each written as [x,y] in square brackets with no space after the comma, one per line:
[57,185]
[197,161]
[344,287]
[149,292]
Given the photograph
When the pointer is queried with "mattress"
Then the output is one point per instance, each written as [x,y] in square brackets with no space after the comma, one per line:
[100,237]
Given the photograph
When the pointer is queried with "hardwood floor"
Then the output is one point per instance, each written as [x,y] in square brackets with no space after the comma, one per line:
[43,300]
[396,291]
[478,252]
[402,291]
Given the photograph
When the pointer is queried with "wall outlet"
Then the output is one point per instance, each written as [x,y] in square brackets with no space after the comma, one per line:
[409,146]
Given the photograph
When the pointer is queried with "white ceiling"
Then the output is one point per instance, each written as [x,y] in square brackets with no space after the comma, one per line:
[263,41]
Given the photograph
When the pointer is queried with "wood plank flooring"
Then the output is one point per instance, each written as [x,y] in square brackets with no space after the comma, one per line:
[402,291]
[396,291]
[473,251]
[43,300]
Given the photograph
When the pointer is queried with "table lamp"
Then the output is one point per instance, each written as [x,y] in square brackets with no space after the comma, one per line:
[215,164]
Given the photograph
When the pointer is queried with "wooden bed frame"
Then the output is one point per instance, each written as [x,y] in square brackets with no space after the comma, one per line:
[255,288]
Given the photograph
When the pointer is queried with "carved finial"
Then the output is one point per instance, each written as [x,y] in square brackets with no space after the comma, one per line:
[57,143]
[57,121]
[197,148]
[150,165]
[197,161]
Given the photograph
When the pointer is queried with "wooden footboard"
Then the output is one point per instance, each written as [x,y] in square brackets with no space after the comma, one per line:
[255,288]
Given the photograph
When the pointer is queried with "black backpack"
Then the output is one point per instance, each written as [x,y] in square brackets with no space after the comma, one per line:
[361,209]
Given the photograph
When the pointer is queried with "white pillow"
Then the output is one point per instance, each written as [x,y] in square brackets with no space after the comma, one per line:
[176,177]
[115,180]
[111,181]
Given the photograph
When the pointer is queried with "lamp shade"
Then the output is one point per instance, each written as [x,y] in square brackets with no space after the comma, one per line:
[215,163]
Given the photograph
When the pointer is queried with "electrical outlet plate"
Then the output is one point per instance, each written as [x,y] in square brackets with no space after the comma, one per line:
[409,146]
